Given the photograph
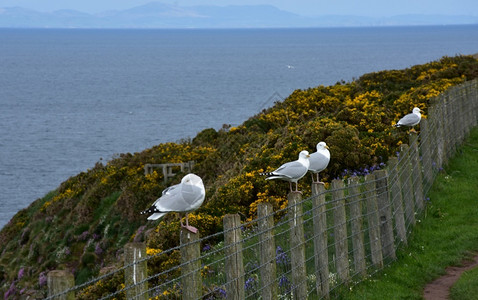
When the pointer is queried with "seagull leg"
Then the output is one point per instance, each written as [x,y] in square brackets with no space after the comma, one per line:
[318,181]
[313,179]
[297,189]
[190,228]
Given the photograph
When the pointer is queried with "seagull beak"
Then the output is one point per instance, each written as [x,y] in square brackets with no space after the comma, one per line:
[326,147]
[308,155]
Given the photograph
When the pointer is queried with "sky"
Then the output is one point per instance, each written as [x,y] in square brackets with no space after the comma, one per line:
[373,8]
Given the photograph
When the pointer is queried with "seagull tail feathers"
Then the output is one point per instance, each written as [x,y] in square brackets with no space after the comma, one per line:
[156,216]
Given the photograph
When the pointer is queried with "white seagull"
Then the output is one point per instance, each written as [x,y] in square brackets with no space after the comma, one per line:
[319,160]
[291,171]
[183,197]
[410,120]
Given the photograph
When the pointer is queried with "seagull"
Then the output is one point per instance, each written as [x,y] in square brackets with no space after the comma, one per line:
[319,160]
[410,120]
[183,197]
[291,171]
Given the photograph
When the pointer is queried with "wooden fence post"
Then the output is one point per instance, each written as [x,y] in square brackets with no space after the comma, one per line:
[190,264]
[233,257]
[426,152]
[297,246]
[442,132]
[385,214]
[354,202]
[396,199]
[340,231]
[321,253]
[136,271]
[267,251]
[416,173]
[373,221]
[59,281]
[406,183]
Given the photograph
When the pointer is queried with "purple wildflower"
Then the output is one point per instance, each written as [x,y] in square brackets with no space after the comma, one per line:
[281,256]
[249,284]
[206,247]
[42,279]
[222,292]
[11,291]
[84,236]
[21,272]
[98,250]
[284,283]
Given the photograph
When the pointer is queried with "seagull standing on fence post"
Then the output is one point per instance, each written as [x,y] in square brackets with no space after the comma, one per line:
[291,171]
[319,161]
[183,197]
[410,120]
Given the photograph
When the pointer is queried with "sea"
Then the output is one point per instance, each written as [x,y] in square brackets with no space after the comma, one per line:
[72,97]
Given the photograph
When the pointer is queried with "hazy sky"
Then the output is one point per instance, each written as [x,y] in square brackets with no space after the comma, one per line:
[303,7]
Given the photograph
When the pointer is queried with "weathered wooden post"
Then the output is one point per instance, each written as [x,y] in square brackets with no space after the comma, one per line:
[416,173]
[233,257]
[426,146]
[354,201]
[396,199]
[406,183]
[58,282]
[321,253]
[297,246]
[340,231]
[385,214]
[441,131]
[136,271]
[373,221]
[190,264]
[267,251]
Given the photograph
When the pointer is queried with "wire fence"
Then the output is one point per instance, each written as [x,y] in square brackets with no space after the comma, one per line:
[313,248]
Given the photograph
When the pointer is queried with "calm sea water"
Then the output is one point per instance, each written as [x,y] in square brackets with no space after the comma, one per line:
[69,98]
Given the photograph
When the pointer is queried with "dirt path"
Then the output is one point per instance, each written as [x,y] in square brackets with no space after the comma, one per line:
[440,288]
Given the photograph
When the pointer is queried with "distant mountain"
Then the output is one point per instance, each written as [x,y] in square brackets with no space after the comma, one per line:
[160,15]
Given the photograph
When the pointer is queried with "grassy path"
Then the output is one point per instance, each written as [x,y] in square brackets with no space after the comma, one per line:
[445,235]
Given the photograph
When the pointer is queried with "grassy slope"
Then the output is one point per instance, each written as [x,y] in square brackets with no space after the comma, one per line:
[446,234]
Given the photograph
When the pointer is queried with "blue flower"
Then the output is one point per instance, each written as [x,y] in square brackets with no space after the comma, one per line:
[281,256]
[222,292]
[249,284]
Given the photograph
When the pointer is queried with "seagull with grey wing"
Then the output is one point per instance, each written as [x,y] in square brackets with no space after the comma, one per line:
[183,197]
[291,171]
[410,120]
[319,161]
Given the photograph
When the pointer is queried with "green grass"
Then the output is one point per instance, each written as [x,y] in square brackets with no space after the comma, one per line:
[446,234]
[466,288]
